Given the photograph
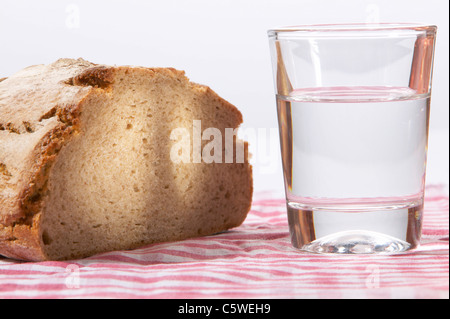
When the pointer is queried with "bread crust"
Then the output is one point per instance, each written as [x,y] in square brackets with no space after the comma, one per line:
[40,109]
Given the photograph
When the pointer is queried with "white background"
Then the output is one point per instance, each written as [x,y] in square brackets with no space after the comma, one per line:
[219,43]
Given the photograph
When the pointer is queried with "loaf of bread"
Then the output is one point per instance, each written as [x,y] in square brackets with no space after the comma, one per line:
[86,164]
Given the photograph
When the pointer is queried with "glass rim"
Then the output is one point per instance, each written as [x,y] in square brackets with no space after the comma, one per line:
[353,27]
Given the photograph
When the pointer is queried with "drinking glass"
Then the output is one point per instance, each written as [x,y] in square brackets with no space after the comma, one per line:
[353,105]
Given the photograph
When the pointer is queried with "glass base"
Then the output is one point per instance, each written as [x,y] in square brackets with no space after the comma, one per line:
[357,242]
[382,231]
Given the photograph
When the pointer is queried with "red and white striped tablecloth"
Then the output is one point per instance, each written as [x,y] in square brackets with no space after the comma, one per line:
[255,260]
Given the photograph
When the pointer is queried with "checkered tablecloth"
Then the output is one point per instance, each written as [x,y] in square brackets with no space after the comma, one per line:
[255,260]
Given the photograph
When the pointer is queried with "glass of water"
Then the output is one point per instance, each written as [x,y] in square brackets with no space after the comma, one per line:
[353,106]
